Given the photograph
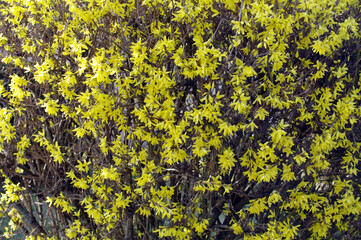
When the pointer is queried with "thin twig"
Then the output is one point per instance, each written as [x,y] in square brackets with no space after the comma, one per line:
[211,39]
[239,20]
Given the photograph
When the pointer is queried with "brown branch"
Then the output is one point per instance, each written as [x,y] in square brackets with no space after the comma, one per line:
[29,221]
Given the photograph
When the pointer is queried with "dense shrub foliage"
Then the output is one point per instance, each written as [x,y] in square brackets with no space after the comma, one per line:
[192,119]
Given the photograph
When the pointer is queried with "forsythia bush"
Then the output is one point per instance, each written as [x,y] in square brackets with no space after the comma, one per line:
[192,119]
